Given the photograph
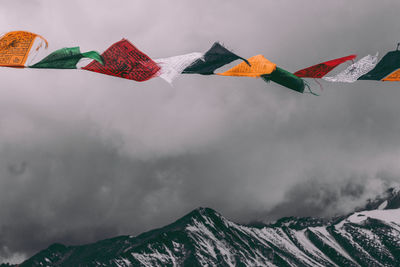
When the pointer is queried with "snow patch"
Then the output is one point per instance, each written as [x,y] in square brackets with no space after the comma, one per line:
[383,205]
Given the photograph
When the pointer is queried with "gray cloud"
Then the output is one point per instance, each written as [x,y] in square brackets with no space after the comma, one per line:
[85,156]
[329,198]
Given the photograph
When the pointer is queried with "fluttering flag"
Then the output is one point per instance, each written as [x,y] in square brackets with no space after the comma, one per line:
[393,77]
[124,60]
[16,46]
[355,70]
[216,57]
[171,67]
[321,69]
[386,69]
[286,79]
[259,65]
[66,58]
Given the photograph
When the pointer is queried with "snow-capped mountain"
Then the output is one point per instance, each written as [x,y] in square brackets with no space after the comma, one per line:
[368,237]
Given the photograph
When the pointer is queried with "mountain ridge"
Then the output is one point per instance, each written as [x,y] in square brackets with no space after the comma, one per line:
[366,237]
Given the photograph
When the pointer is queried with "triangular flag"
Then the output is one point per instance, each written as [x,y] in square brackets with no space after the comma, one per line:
[355,71]
[171,67]
[393,77]
[66,58]
[321,69]
[259,65]
[216,57]
[124,60]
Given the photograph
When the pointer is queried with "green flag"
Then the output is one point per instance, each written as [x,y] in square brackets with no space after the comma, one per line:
[66,58]
[286,79]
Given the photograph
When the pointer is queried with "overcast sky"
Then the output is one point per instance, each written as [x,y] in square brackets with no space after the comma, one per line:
[85,156]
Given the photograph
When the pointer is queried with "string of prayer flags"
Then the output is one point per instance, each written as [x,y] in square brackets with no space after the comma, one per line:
[122,59]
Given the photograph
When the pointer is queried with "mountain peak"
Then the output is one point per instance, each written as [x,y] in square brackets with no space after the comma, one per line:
[204,211]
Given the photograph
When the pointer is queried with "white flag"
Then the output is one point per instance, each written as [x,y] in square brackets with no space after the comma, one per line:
[355,71]
[173,66]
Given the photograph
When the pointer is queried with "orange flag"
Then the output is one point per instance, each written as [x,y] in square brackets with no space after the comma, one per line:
[393,77]
[259,66]
[15,47]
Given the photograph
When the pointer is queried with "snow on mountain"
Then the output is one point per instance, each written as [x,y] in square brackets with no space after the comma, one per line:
[369,237]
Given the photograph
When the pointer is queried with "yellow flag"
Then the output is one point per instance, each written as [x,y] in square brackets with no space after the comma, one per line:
[15,47]
[393,77]
[259,66]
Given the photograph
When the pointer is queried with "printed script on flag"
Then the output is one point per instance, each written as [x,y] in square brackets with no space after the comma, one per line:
[15,47]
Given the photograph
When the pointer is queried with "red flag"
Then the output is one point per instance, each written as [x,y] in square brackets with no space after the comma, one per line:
[124,60]
[321,69]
